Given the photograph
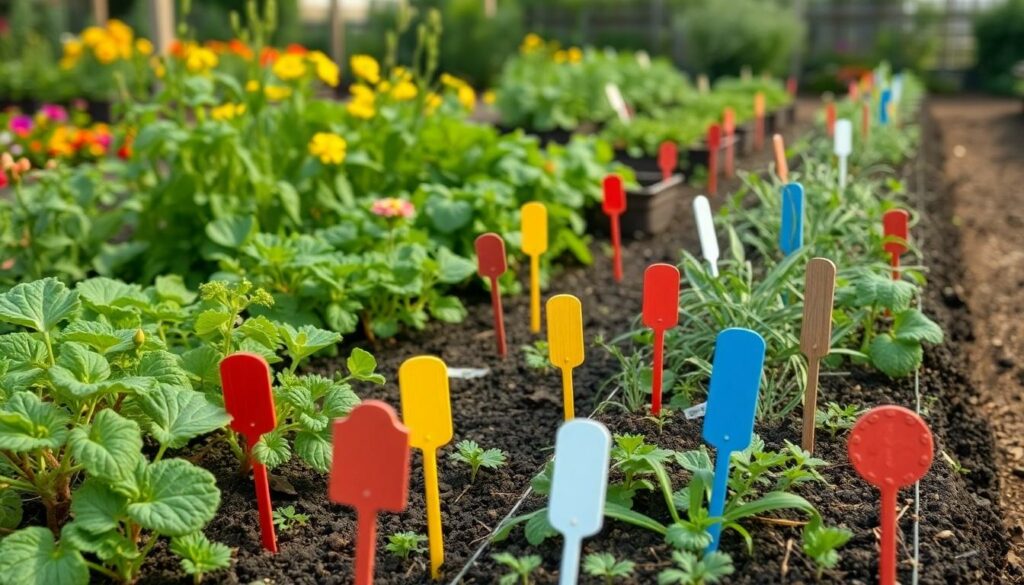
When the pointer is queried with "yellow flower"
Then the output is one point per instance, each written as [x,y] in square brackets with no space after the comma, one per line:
[451,81]
[561,56]
[361,109]
[157,65]
[144,47]
[490,97]
[329,148]
[252,86]
[326,70]
[106,52]
[384,87]
[120,32]
[404,90]
[290,67]
[366,67]
[200,60]
[401,74]
[433,102]
[73,49]
[574,55]
[467,97]
[93,36]
[227,111]
[276,93]
[361,92]
[531,43]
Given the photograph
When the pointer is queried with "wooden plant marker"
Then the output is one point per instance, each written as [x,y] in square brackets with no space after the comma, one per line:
[565,343]
[614,205]
[714,140]
[729,130]
[843,147]
[668,159]
[660,313]
[883,106]
[491,263]
[245,378]
[891,448]
[369,472]
[830,119]
[579,484]
[427,412]
[732,400]
[816,335]
[706,232]
[534,228]
[896,232]
[791,233]
[758,120]
[781,166]
[865,120]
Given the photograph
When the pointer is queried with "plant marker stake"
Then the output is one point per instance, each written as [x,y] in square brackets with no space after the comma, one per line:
[534,228]
[706,232]
[660,313]
[853,91]
[791,233]
[883,106]
[491,263]
[714,143]
[613,205]
[427,412]
[865,120]
[245,378]
[565,343]
[896,232]
[830,119]
[791,86]
[816,334]
[729,129]
[732,400]
[579,484]
[369,479]
[758,120]
[891,448]
[781,166]
[843,146]
[668,159]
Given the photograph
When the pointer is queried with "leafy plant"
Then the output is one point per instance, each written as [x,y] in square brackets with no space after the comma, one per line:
[820,544]
[199,556]
[286,518]
[605,567]
[536,355]
[520,568]
[836,418]
[692,569]
[475,456]
[404,544]
[955,464]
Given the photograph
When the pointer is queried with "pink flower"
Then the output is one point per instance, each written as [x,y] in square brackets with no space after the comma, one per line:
[21,125]
[393,207]
[54,113]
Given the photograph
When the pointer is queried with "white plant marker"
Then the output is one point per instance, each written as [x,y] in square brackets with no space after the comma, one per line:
[578,488]
[843,147]
[618,103]
[706,232]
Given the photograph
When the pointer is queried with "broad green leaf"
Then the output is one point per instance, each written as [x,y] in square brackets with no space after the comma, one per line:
[99,336]
[172,288]
[913,325]
[27,423]
[111,545]
[448,309]
[315,449]
[453,269]
[31,557]
[894,357]
[306,340]
[24,350]
[103,294]
[231,231]
[176,415]
[198,555]
[109,447]
[339,401]
[39,305]
[449,216]
[624,514]
[538,529]
[211,321]
[10,509]
[872,289]
[203,366]
[272,449]
[769,502]
[261,330]
[177,498]
[363,366]
[97,508]
[164,367]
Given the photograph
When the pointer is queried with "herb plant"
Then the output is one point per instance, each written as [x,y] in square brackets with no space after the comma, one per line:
[820,544]
[520,568]
[405,544]
[475,456]
[286,518]
[693,569]
[605,567]
[836,419]
[536,356]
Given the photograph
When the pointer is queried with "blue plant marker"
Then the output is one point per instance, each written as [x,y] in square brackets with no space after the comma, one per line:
[732,400]
[883,106]
[791,234]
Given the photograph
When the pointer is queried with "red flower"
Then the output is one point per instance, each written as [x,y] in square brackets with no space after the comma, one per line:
[3,180]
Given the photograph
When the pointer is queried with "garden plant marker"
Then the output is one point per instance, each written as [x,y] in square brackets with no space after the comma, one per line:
[781,166]
[668,159]
[245,378]
[791,85]
[830,119]
[706,232]
[865,121]
[565,343]
[891,448]
[791,233]
[534,227]
[729,130]
[369,472]
[614,205]
[491,263]
[618,103]
[660,313]
[816,334]
[732,400]
[759,120]
[714,140]
[578,487]
[896,232]
[883,106]
[843,147]
[853,91]
[427,412]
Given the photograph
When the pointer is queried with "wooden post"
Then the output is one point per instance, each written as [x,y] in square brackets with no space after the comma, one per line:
[100,12]
[162,13]
[337,24]
[490,8]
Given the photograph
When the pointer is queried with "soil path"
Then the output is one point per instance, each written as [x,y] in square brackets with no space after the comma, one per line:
[983,140]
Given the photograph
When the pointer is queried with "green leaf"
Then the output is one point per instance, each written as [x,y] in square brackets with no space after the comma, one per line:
[453,269]
[109,447]
[449,216]
[211,321]
[895,357]
[872,289]
[31,557]
[39,305]
[99,336]
[27,423]
[110,297]
[272,449]
[198,555]
[306,340]
[203,366]
[176,498]
[164,367]
[538,529]
[448,309]
[315,449]
[262,330]
[111,545]
[79,370]
[175,416]
[10,509]
[913,325]
[363,366]
[172,288]
[231,231]
[23,350]
[97,508]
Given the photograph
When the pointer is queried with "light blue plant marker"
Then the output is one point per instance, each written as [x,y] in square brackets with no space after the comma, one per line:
[883,106]
[791,233]
[732,400]
[578,487]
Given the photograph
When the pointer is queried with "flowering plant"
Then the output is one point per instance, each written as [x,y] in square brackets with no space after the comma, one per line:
[56,134]
[106,62]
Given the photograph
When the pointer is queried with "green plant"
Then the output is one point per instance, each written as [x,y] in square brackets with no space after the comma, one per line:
[692,569]
[998,32]
[520,568]
[286,518]
[536,355]
[820,544]
[836,418]
[661,418]
[954,464]
[199,556]
[605,567]
[404,544]
[475,456]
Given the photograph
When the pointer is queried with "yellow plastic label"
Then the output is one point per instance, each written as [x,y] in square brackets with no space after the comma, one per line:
[426,403]
[534,217]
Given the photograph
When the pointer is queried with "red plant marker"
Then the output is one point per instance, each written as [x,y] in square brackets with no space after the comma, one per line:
[865,120]
[830,119]
[891,448]
[370,479]
[668,159]
[791,85]
[660,313]
[781,166]
[491,263]
[245,378]
[613,206]
[729,130]
[758,120]
[853,91]
[896,232]
[714,143]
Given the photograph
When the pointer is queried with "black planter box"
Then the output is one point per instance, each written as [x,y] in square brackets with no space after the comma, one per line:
[556,136]
[650,208]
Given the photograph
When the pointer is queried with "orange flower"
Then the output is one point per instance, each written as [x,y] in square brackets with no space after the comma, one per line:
[268,56]
[241,49]
[296,49]
[177,49]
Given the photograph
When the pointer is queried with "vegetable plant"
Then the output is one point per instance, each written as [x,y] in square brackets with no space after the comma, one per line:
[836,418]
[605,567]
[693,569]
[520,568]
[405,544]
[536,355]
[475,456]
[820,544]
[286,518]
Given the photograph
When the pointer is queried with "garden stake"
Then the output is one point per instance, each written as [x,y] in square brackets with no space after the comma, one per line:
[534,228]
[668,159]
[714,140]
[706,232]
[613,205]
[729,129]
[491,263]
[816,335]
[791,86]
[732,400]
[883,106]
[781,166]
[578,487]
[896,234]
[759,120]
[865,121]
[843,147]
[891,448]
[369,479]
[853,91]
[617,102]
[565,343]
[245,378]
[791,233]
[830,119]
[660,313]
[427,412]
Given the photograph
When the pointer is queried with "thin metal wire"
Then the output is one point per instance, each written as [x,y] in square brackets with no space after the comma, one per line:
[916,571]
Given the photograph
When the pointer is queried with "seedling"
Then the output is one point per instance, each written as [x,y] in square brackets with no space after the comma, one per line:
[661,418]
[954,463]
[691,569]
[405,544]
[605,567]
[475,456]
[536,355]
[287,518]
[521,568]
[836,418]
[199,555]
[820,544]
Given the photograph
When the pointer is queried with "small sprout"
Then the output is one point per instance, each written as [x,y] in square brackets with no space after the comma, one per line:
[286,518]
[605,566]
[954,464]
[836,418]
[693,570]
[820,544]
[199,556]
[537,355]
[521,568]
[662,418]
[405,544]
[472,454]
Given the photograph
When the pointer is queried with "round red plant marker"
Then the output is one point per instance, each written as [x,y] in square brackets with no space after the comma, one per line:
[660,313]
[614,205]
[492,262]
[896,232]
[668,159]
[714,143]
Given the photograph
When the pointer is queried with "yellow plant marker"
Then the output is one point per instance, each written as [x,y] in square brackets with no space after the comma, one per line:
[534,227]
[565,342]
[427,412]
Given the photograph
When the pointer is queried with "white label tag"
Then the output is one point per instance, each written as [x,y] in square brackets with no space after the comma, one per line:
[643,59]
[696,411]
[468,373]
[703,83]
[617,102]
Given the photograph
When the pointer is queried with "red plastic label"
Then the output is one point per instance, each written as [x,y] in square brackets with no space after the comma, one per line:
[245,378]
[614,195]
[370,466]
[729,121]
[896,230]
[491,259]
[661,296]
[668,158]
[890,447]
[714,137]
[830,118]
